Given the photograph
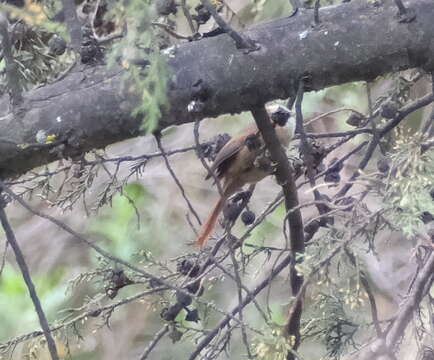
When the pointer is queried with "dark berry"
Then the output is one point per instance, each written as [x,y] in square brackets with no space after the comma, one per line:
[231,211]
[324,208]
[248,217]
[57,45]
[335,165]
[312,227]
[175,335]
[326,221]
[203,15]
[389,109]
[153,283]
[183,299]
[186,267]
[348,201]
[332,177]
[195,288]
[166,7]
[95,313]
[192,288]
[192,315]
[383,165]
[170,313]
[355,119]
[426,217]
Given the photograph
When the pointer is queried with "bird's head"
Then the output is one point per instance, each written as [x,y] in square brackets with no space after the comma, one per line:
[281,116]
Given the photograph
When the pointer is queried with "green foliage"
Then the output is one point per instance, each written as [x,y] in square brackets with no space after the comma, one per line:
[120,224]
[141,43]
[331,323]
[31,53]
[21,315]
[273,345]
[153,89]
[409,182]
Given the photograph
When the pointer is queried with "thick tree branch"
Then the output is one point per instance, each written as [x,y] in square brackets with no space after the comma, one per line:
[359,40]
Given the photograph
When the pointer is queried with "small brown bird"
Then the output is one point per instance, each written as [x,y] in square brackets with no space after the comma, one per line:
[242,161]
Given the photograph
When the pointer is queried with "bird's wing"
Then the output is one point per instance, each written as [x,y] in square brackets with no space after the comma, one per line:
[224,157]
[228,151]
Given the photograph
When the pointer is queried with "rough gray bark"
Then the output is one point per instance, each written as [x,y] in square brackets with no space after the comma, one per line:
[359,40]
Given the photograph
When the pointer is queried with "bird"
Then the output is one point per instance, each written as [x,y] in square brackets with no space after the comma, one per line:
[243,160]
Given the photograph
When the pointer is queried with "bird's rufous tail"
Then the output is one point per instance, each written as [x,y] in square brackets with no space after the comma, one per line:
[209,224]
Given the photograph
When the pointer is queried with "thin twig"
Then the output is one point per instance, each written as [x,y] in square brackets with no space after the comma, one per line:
[158,336]
[29,283]
[3,261]
[328,113]
[115,259]
[188,17]
[242,286]
[82,239]
[240,300]
[402,114]
[409,305]
[365,283]
[80,318]
[247,299]
[170,31]
[175,178]
[339,133]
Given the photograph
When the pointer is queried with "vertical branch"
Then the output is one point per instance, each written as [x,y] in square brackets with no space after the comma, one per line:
[406,15]
[305,148]
[188,17]
[428,127]
[73,24]
[10,236]
[285,177]
[240,301]
[241,42]
[316,12]
[11,66]
[402,9]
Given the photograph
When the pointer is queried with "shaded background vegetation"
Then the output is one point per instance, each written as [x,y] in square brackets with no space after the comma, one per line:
[145,220]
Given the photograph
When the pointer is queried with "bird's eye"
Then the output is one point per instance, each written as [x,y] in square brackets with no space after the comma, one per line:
[253,142]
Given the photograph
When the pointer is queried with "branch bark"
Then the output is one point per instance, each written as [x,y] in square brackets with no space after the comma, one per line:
[359,40]
[285,177]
